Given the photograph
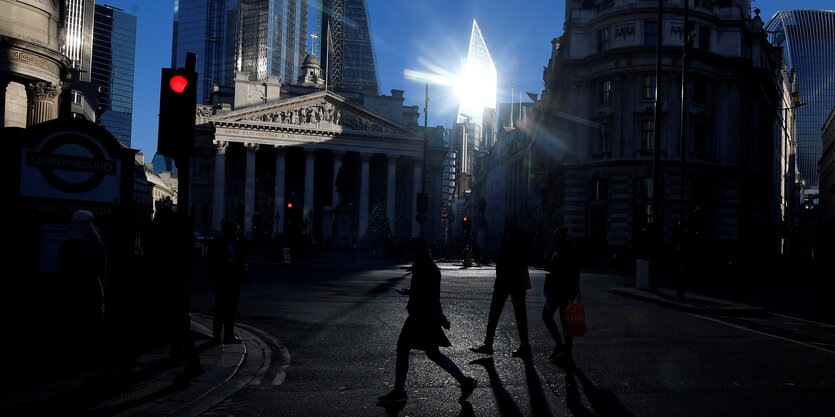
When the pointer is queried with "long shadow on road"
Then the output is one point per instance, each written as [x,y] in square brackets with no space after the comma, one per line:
[603,402]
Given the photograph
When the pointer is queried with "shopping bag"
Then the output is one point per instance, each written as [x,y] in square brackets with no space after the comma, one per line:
[574,320]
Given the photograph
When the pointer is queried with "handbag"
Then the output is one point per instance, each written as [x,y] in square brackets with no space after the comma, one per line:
[574,320]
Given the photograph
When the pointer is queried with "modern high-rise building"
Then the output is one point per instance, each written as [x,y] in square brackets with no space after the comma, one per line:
[259,37]
[346,52]
[114,50]
[78,44]
[808,41]
[479,78]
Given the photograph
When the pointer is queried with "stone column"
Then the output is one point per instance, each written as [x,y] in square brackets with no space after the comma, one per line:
[337,165]
[4,83]
[307,210]
[418,178]
[363,204]
[280,158]
[44,107]
[249,187]
[391,190]
[219,191]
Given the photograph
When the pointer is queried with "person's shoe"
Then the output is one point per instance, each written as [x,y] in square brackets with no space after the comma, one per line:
[395,396]
[467,388]
[556,352]
[487,350]
[564,358]
[232,340]
[523,352]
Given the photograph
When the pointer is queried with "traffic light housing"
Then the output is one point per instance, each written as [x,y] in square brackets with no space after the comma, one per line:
[177,106]
[467,224]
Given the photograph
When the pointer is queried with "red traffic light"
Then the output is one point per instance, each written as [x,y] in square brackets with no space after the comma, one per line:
[289,205]
[178,83]
[465,219]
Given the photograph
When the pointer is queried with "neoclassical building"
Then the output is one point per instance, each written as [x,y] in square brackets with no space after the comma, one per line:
[295,159]
[33,70]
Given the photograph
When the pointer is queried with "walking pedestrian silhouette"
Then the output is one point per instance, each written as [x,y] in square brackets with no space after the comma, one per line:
[561,285]
[424,326]
[512,280]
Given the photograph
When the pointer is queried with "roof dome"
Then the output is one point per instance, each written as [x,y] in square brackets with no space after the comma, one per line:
[311,60]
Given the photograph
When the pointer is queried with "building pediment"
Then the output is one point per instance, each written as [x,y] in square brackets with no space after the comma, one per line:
[322,112]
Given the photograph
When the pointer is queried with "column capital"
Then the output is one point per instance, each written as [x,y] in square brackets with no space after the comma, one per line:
[392,159]
[365,156]
[280,149]
[251,147]
[44,91]
[220,146]
[309,152]
[338,152]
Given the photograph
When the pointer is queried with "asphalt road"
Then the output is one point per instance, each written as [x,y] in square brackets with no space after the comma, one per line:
[332,330]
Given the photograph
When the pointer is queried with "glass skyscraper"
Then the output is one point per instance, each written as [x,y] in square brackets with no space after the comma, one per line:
[808,41]
[352,65]
[480,78]
[114,47]
[260,37]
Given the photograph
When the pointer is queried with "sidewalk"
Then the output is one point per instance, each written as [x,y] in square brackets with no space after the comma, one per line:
[691,303]
[157,385]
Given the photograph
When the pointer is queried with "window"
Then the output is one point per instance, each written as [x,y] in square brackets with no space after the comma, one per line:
[643,188]
[605,91]
[699,90]
[650,33]
[701,136]
[603,40]
[603,144]
[647,134]
[704,38]
[599,190]
[649,87]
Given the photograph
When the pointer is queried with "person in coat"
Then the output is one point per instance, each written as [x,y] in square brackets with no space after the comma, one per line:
[512,280]
[82,258]
[227,260]
[424,326]
[562,284]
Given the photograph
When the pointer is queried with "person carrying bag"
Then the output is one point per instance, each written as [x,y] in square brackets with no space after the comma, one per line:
[562,285]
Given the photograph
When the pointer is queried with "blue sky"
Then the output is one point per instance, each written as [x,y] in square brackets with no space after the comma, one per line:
[415,35]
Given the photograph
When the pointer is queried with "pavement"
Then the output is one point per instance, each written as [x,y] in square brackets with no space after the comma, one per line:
[691,303]
[158,386]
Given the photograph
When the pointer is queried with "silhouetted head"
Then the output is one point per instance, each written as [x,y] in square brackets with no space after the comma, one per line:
[417,248]
[229,229]
[510,222]
[560,234]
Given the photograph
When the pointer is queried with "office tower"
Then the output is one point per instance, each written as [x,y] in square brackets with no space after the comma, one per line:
[347,53]
[259,37]
[808,41]
[479,81]
[78,44]
[114,46]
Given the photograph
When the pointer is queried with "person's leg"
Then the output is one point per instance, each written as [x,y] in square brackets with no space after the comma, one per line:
[569,341]
[548,311]
[446,364]
[517,297]
[496,306]
[234,295]
[401,367]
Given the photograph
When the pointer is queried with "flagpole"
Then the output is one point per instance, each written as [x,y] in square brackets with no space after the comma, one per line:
[327,56]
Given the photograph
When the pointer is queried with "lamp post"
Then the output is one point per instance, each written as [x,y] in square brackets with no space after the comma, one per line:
[656,224]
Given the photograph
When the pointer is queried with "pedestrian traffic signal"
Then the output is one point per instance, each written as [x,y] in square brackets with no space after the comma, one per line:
[177,106]
[467,224]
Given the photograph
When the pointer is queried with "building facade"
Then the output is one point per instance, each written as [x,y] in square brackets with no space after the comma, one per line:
[312,164]
[33,69]
[599,124]
[114,50]
[807,38]
[827,189]
[260,38]
[479,78]
[347,52]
